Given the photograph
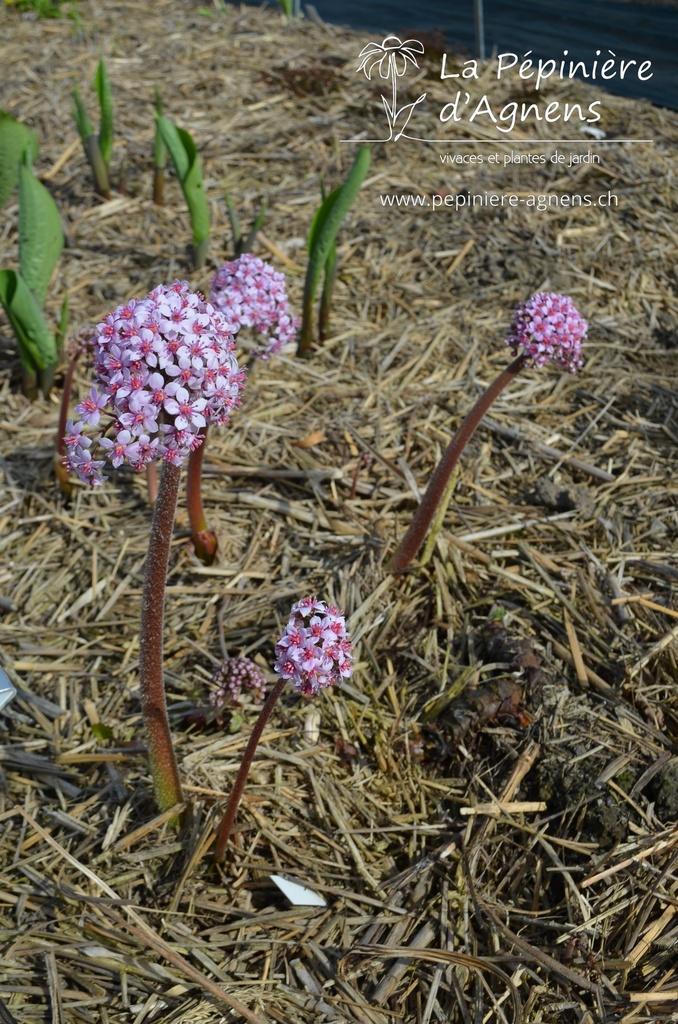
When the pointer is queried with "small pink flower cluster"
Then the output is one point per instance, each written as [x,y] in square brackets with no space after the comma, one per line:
[250,293]
[164,367]
[234,676]
[549,326]
[81,344]
[315,649]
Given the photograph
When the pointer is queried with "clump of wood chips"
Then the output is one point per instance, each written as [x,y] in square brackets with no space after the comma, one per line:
[489,808]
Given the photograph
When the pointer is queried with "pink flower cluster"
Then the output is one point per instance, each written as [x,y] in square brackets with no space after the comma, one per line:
[234,676]
[164,367]
[315,649]
[250,293]
[549,326]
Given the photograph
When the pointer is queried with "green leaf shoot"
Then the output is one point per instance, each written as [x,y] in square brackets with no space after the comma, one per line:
[234,221]
[63,325]
[159,156]
[36,345]
[15,139]
[102,87]
[41,236]
[246,246]
[184,155]
[82,122]
[322,236]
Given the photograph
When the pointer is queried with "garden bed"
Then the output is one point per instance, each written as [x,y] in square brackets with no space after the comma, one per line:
[489,807]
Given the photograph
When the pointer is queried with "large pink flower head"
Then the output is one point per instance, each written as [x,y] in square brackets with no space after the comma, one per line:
[250,293]
[164,367]
[549,326]
[315,649]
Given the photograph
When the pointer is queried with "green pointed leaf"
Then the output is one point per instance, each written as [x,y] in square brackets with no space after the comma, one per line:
[41,237]
[320,216]
[82,122]
[326,295]
[15,138]
[102,87]
[235,224]
[63,326]
[332,213]
[170,136]
[159,147]
[37,349]
[254,230]
[184,155]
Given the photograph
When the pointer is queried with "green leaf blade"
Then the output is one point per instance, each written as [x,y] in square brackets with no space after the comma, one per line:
[319,218]
[322,237]
[184,155]
[37,348]
[102,87]
[170,136]
[41,236]
[15,139]
[82,122]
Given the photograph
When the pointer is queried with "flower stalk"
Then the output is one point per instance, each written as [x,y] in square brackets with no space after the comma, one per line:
[162,760]
[313,653]
[414,538]
[248,293]
[226,827]
[60,454]
[547,326]
[204,540]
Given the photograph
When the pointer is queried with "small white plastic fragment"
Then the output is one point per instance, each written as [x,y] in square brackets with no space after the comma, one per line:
[298,895]
[312,725]
[596,133]
[7,691]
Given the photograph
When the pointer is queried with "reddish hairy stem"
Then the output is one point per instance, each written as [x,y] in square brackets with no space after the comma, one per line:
[164,770]
[204,539]
[152,481]
[59,468]
[65,402]
[414,538]
[228,820]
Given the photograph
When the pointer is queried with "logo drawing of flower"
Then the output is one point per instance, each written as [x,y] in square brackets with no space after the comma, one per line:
[391,58]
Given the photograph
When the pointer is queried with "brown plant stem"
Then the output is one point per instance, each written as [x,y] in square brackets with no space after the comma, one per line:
[159,186]
[204,539]
[152,482]
[414,538]
[164,770]
[228,820]
[59,468]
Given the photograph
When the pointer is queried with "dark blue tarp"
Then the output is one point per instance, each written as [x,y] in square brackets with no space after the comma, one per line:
[547,27]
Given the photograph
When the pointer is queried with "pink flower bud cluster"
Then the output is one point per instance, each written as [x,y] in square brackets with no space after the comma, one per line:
[548,326]
[234,676]
[164,367]
[315,649]
[250,293]
[81,344]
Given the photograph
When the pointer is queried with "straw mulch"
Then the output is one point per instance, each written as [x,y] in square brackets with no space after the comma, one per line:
[489,807]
